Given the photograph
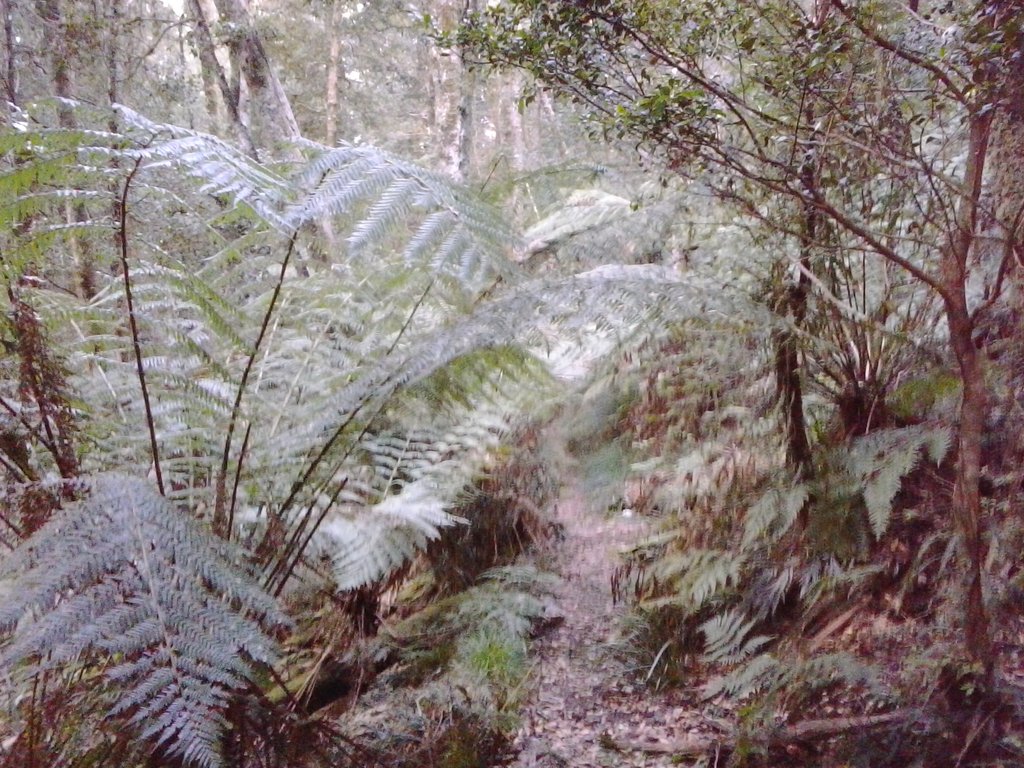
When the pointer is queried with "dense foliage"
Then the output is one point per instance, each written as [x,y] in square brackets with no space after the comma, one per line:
[281,421]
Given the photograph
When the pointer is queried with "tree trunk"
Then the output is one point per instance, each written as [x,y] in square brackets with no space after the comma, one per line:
[465,127]
[210,70]
[1007,178]
[787,355]
[974,406]
[263,103]
[335,71]
[213,72]
[10,53]
[52,12]
[515,129]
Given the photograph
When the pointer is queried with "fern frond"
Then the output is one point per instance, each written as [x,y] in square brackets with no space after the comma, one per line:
[124,577]
[880,460]
[457,234]
[224,169]
[770,586]
[371,543]
[697,575]
[727,639]
[506,609]
[774,513]
[759,673]
[804,678]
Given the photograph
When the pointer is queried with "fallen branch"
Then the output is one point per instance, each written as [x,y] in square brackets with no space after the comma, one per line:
[806,730]
[834,626]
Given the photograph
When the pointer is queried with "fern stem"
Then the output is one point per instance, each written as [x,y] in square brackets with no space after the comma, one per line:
[302,483]
[299,549]
[412,315]
[294,550]
[32,724]
[122,236]
[287,557]
[221,491]
[238,478]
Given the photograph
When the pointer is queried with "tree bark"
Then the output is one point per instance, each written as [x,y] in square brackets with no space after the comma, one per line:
[10,53]
[213,72]
[262,102]
[974,406]
[335,72]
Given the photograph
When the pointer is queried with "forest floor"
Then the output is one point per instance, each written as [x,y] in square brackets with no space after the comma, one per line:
[585,697]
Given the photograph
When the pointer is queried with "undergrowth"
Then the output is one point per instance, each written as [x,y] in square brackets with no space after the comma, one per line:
[784,598]
[439,679]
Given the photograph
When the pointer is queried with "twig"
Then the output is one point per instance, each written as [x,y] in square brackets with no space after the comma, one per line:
[47,444]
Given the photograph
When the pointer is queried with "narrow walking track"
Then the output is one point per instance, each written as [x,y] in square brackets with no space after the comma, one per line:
[585,699]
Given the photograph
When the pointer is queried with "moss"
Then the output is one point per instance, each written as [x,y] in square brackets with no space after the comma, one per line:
[914,399]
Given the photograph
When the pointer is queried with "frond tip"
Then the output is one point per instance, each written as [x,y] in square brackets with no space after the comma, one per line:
[124,577]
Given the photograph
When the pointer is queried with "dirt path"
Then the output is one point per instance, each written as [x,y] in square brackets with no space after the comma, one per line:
[585,697]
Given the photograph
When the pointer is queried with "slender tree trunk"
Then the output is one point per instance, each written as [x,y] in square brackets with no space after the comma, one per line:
[454,91]
[335,72]
[10,53]
[1007,163]
[788,370]
[115,20]
[75,213]
[212,72]
[269,112]
[787,355]
[515,131]
[994,173]
[974,406]
[465,126]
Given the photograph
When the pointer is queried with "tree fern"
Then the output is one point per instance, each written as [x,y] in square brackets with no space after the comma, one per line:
[312,398]
[124,579]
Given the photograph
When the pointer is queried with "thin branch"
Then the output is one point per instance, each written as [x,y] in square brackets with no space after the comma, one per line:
[699,744]
[34,429]
[17,472]
[907,56]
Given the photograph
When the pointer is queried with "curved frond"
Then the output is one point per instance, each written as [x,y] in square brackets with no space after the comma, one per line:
[124,577]
[879,462]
